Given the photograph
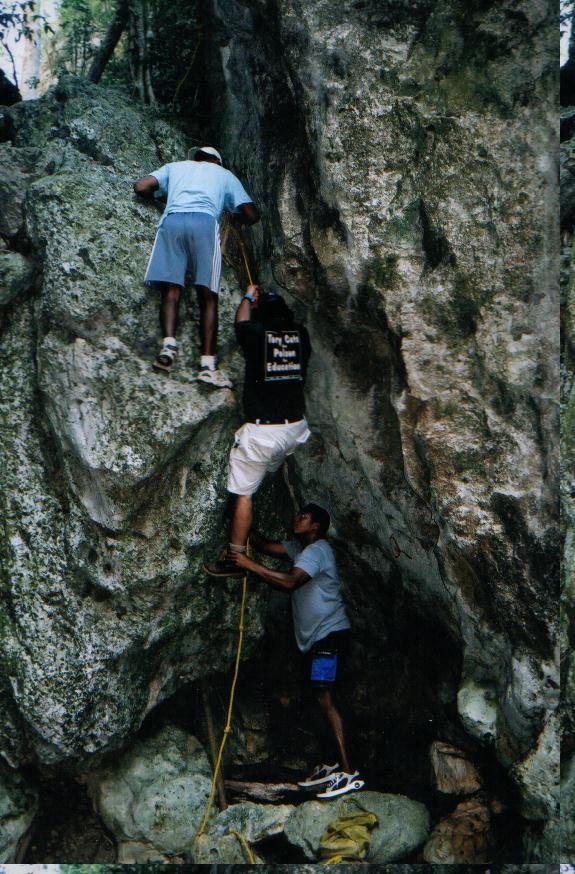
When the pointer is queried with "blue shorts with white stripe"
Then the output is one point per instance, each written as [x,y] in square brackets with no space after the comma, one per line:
[187,242]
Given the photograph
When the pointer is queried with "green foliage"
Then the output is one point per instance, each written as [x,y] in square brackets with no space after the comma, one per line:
[176,74]
[21,18]
[83,24]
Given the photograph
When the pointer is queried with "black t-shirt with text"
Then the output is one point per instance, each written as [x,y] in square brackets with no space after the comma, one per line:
[276,365]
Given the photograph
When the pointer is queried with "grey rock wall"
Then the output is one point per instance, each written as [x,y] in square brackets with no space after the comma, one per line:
[112,477]
[568,528]
[401,155]
[412,216]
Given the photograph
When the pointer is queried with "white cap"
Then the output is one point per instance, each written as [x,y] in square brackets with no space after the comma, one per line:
[209,150]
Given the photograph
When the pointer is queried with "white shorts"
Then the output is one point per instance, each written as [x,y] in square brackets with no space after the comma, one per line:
[261,449]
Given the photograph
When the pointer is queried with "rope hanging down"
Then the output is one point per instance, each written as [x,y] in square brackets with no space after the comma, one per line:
[244,253]
[218,762]
[244,844]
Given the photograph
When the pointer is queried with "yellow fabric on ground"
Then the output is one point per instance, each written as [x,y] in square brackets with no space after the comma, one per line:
[347,838]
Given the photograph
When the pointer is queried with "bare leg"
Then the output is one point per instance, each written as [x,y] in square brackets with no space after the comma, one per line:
[242,520]
[336,724]
[208,301]
[169,309]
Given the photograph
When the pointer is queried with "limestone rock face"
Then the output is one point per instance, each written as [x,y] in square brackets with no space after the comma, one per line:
[112,477]
[568,484]
[567,806]
[538,776]
[412,217]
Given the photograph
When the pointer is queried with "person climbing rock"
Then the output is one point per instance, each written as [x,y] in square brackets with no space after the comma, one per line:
[321,626]
[276,352]
[188,239]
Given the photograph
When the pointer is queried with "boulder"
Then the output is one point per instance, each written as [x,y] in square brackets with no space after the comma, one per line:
[453,773]
[223,849]
[477,708]
[463,837]
[537,776]
[403,824]
[255,822]
[9,92]
[154,796]
[142,853]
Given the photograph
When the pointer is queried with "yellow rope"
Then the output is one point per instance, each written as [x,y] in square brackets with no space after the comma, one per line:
[250,858]
[244,255]
[218,763]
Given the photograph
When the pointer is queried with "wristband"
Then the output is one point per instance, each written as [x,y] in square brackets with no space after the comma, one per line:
[248,296]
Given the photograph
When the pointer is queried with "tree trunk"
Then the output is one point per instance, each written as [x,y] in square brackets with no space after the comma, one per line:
[110,41]
[136,49]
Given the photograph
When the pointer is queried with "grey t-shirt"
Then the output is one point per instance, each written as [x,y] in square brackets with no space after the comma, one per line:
[199,186]
[317,606]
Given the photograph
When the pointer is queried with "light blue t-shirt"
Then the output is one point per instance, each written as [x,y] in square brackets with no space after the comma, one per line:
[199,186]
[317,606]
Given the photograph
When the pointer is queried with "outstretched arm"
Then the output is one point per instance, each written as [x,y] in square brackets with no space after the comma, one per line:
[244,311]
[286,582]
[268,547]
[146,185]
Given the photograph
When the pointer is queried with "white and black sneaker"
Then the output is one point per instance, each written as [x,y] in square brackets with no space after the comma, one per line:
[321,774]
[217,378]
[340,783]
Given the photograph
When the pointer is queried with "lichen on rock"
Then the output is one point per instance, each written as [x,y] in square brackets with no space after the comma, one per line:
[113,477]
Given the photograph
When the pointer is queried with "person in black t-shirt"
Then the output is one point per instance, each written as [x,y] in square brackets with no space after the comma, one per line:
[277,352]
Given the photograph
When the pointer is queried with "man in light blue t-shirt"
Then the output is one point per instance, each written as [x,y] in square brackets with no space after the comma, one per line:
[321,626]
[188,240]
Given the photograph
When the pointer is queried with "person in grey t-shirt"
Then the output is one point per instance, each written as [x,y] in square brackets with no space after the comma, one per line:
[321,625]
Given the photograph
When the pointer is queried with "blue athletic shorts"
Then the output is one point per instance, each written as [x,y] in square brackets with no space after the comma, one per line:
[323,664]
[187,242]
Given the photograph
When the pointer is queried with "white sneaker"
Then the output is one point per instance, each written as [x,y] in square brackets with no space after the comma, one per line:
[166,356]
[319,775]
[217,378]
[341,783]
